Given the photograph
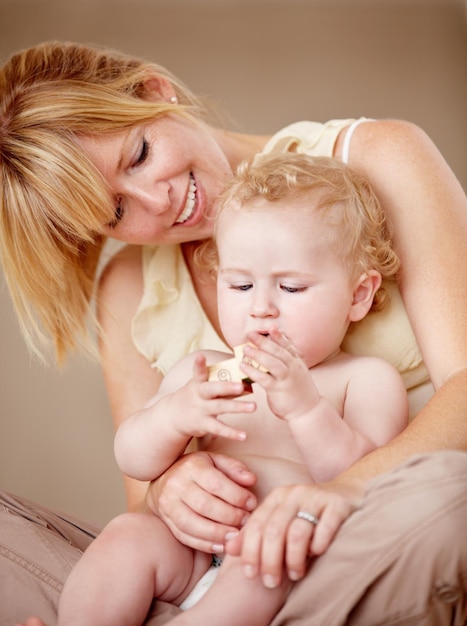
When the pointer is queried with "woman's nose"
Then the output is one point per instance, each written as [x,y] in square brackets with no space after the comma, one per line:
[154,199]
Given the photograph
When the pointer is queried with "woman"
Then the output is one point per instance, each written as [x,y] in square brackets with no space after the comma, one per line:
[95,145]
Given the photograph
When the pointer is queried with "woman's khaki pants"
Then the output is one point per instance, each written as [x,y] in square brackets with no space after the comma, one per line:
[399,560]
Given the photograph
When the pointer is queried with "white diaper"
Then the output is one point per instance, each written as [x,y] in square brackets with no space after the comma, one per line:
[202,585]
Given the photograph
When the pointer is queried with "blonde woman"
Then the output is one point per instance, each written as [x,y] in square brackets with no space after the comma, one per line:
[94,144]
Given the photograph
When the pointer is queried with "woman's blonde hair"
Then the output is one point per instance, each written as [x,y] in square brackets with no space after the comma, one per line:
[53,201]
[359,229]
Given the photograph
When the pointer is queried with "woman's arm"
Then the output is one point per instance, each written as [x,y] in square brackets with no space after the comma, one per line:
[428,209]
[129,379]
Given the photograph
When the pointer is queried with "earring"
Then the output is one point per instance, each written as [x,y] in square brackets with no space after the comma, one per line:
[174,100]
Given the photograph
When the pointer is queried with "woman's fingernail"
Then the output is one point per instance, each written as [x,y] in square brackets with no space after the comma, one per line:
[269,581]
[294,575]
[249,571]
[250,504]
[218,548]
[243,521]
[231,535]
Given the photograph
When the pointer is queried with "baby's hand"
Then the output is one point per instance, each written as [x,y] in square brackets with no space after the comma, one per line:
[202,401]
[282,373]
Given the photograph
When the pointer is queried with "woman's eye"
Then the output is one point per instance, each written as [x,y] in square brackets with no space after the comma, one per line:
[118,216]
[143,155]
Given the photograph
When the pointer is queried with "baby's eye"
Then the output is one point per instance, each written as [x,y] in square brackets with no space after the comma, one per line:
[243,287]
[290,289]
[118,216]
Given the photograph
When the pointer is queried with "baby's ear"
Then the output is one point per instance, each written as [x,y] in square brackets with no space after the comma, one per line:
[364,292]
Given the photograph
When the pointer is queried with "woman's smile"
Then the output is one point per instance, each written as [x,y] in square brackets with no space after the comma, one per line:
[190,203]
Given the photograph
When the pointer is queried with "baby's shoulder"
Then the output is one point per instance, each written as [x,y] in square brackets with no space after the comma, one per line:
[370,372]
[349,368]
[368,365]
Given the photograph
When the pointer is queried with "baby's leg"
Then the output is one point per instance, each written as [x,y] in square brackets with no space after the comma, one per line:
[234,600]
[134,560]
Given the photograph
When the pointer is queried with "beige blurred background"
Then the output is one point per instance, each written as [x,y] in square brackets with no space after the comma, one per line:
[269,63]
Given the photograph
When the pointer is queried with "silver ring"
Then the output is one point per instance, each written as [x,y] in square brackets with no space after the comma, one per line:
[308,517]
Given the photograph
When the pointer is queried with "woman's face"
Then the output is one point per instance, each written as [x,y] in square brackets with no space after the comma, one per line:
[164,177]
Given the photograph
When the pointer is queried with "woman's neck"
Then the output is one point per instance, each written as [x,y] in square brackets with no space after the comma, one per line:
[204,283]
[239,147]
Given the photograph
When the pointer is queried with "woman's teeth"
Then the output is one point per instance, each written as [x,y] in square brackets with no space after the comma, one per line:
[190,202]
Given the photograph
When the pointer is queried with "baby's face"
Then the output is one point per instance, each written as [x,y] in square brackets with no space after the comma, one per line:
[276,268]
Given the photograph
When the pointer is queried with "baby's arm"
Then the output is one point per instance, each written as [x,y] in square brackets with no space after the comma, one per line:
[187,406]
[375,411]
[375,408]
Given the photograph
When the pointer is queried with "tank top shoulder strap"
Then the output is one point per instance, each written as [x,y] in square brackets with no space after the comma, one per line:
[348,137]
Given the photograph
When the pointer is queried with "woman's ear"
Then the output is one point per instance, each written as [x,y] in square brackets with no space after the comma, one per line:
[159,89]
[364,292]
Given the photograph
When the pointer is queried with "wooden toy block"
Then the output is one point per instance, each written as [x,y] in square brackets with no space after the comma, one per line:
[229,370]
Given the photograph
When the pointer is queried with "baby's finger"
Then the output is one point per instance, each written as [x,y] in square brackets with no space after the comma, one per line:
[218,389]
[219,406]
[200,369]
[279,338]
[216,427]
[275,370]
[266,355]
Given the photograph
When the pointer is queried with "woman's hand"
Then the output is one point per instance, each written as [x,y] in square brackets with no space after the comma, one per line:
[203,498]
[275,538]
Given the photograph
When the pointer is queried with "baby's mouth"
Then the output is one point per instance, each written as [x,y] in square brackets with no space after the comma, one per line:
[190,202]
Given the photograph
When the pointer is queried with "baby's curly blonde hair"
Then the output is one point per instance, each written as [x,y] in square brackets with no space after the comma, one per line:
[359,229]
